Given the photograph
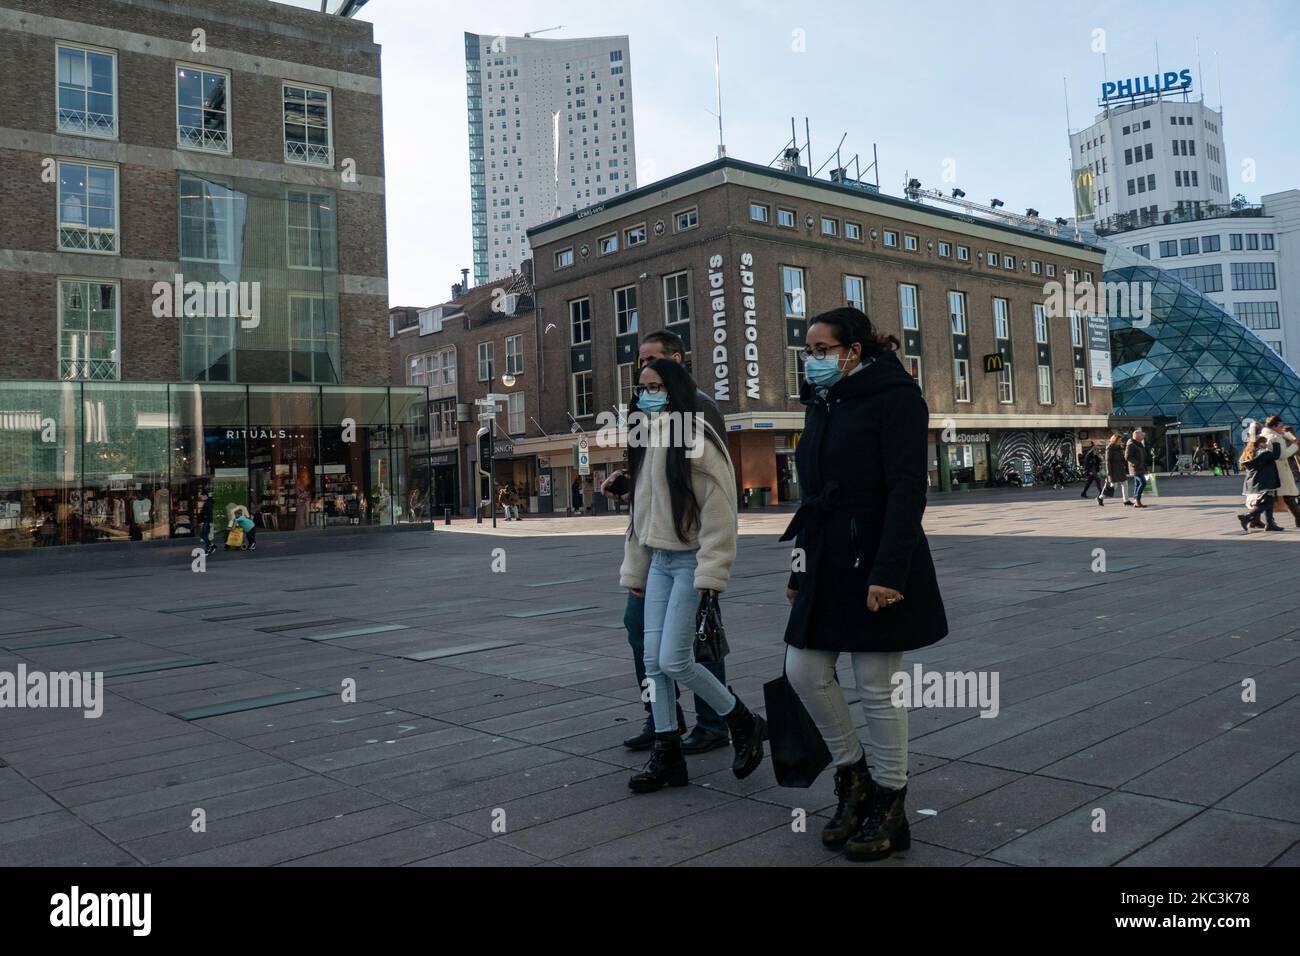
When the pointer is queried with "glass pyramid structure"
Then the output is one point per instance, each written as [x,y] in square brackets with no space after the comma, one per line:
[1193,362]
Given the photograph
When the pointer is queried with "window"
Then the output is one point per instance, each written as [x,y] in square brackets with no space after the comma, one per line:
[963,254]
[514,355]
[608,244]
[830,227]
[87,207]
[307,134]
[913,365]
[625,312]
[564,259]
[1009,262]
[945,250]
[310,230]
[961,380]
[855,292]
[1201,278]
[677,298]
[207,216]
[1252,242]
[313,339]
[1006,388]
[626,384]
[1040,323]
[910,243]
[785,217]
[1234,241]
[796,307]
[89,325]
[793,371]
[634,236]
[580,321]
[584,395]
[957,311]
[1258,315]
[1190,247]
[1253,275]
[1168,247]
[1001,322]
[1143,249]
[1080,386]
[1044,384]
[758,212]
[1267,239]
[991,258]
[853,230]
[1035,267]
[485,362]
[515,423]
[908,312]
[891,238]
[202,109]
[87,91]
[1076,329]
[686,219]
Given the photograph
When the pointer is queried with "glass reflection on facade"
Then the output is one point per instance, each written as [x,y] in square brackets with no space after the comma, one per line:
[1194,362]
[266,256]
[88,462]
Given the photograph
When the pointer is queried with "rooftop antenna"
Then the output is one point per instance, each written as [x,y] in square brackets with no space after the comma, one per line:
[547,30]
[807,138]
[717,75]
[1218,76]
[555,140]
[834,155]
[1200,76]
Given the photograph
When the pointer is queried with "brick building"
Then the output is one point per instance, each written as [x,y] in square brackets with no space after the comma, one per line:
[735,258]
[192,253]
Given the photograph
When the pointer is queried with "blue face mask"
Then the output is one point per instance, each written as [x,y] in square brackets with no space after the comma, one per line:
[652,402]
[823,372]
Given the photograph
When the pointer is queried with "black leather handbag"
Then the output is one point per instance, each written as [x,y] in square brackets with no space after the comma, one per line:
[710,635]
[799,754]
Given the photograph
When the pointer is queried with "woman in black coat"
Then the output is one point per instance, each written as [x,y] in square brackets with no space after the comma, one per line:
[1259,461]
[862,579]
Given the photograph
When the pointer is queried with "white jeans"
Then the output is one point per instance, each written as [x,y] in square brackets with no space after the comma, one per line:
[812,674]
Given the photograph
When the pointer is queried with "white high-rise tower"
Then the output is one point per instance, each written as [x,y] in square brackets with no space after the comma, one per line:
[521,92]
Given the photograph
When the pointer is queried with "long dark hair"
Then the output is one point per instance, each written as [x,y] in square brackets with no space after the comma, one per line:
[681,390]
[851,325]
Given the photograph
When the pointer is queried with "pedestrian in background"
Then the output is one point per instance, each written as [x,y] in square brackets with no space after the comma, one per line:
[1116,470]
[1276,430]
[867,586]
[205,522]
[1092,473]
[1135,455]
[679,548]
[1260,463]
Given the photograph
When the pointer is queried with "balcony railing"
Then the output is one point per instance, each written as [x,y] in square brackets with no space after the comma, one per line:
[1128,222]
[85,239]
[310,153]
[196,137]
[88,370]
[91,124]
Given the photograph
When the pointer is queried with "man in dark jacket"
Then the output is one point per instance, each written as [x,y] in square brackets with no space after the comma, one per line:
[205,522]
[710,730]
[1261,484]
[1135,454]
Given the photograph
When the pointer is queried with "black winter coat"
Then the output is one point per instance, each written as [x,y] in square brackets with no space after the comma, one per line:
[1261,471]
[1116,466]
[862,461]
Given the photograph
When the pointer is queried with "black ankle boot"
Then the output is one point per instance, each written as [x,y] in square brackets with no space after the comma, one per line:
[854,787]
[748,731]
[646,738]
[884,831]
[666,768]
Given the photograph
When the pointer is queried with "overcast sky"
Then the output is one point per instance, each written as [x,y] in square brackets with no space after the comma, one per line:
[976,85]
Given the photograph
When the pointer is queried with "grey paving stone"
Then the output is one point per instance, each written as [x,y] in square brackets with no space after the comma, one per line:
[1218,838]
[1207,773]
[485,853]
[1274,793]
[456,790]
[394,849]
[920,854]
[681,839]
[1132,821]
[77,845]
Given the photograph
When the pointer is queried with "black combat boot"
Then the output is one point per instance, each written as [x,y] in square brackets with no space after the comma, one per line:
[884,831]
[748,731]
[666,768]
[854,787]
[646,738]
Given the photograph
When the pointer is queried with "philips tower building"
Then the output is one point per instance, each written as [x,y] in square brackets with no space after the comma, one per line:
[550,132]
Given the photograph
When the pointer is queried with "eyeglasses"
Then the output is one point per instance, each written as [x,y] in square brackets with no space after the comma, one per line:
[819,351]
[654,388]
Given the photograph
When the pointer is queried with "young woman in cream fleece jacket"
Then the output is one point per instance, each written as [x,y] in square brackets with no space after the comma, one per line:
[680,545]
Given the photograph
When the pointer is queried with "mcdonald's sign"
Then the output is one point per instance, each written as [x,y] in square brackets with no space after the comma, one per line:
[993,363]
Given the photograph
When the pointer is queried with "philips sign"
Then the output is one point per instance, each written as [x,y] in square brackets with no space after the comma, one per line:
[1146,85]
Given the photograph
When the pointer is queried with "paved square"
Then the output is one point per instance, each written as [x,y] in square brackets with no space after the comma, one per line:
[1159,698]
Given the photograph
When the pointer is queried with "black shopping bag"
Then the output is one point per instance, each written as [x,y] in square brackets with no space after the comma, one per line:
[799,754]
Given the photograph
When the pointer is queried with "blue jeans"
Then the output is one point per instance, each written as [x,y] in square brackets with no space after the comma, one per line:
[671,603]
[634,621]
[1139,485]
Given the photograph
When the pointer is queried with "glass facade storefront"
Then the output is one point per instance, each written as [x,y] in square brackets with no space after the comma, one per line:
[85,462]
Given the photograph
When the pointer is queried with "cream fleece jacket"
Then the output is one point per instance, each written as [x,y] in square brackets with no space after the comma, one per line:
[714,482]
